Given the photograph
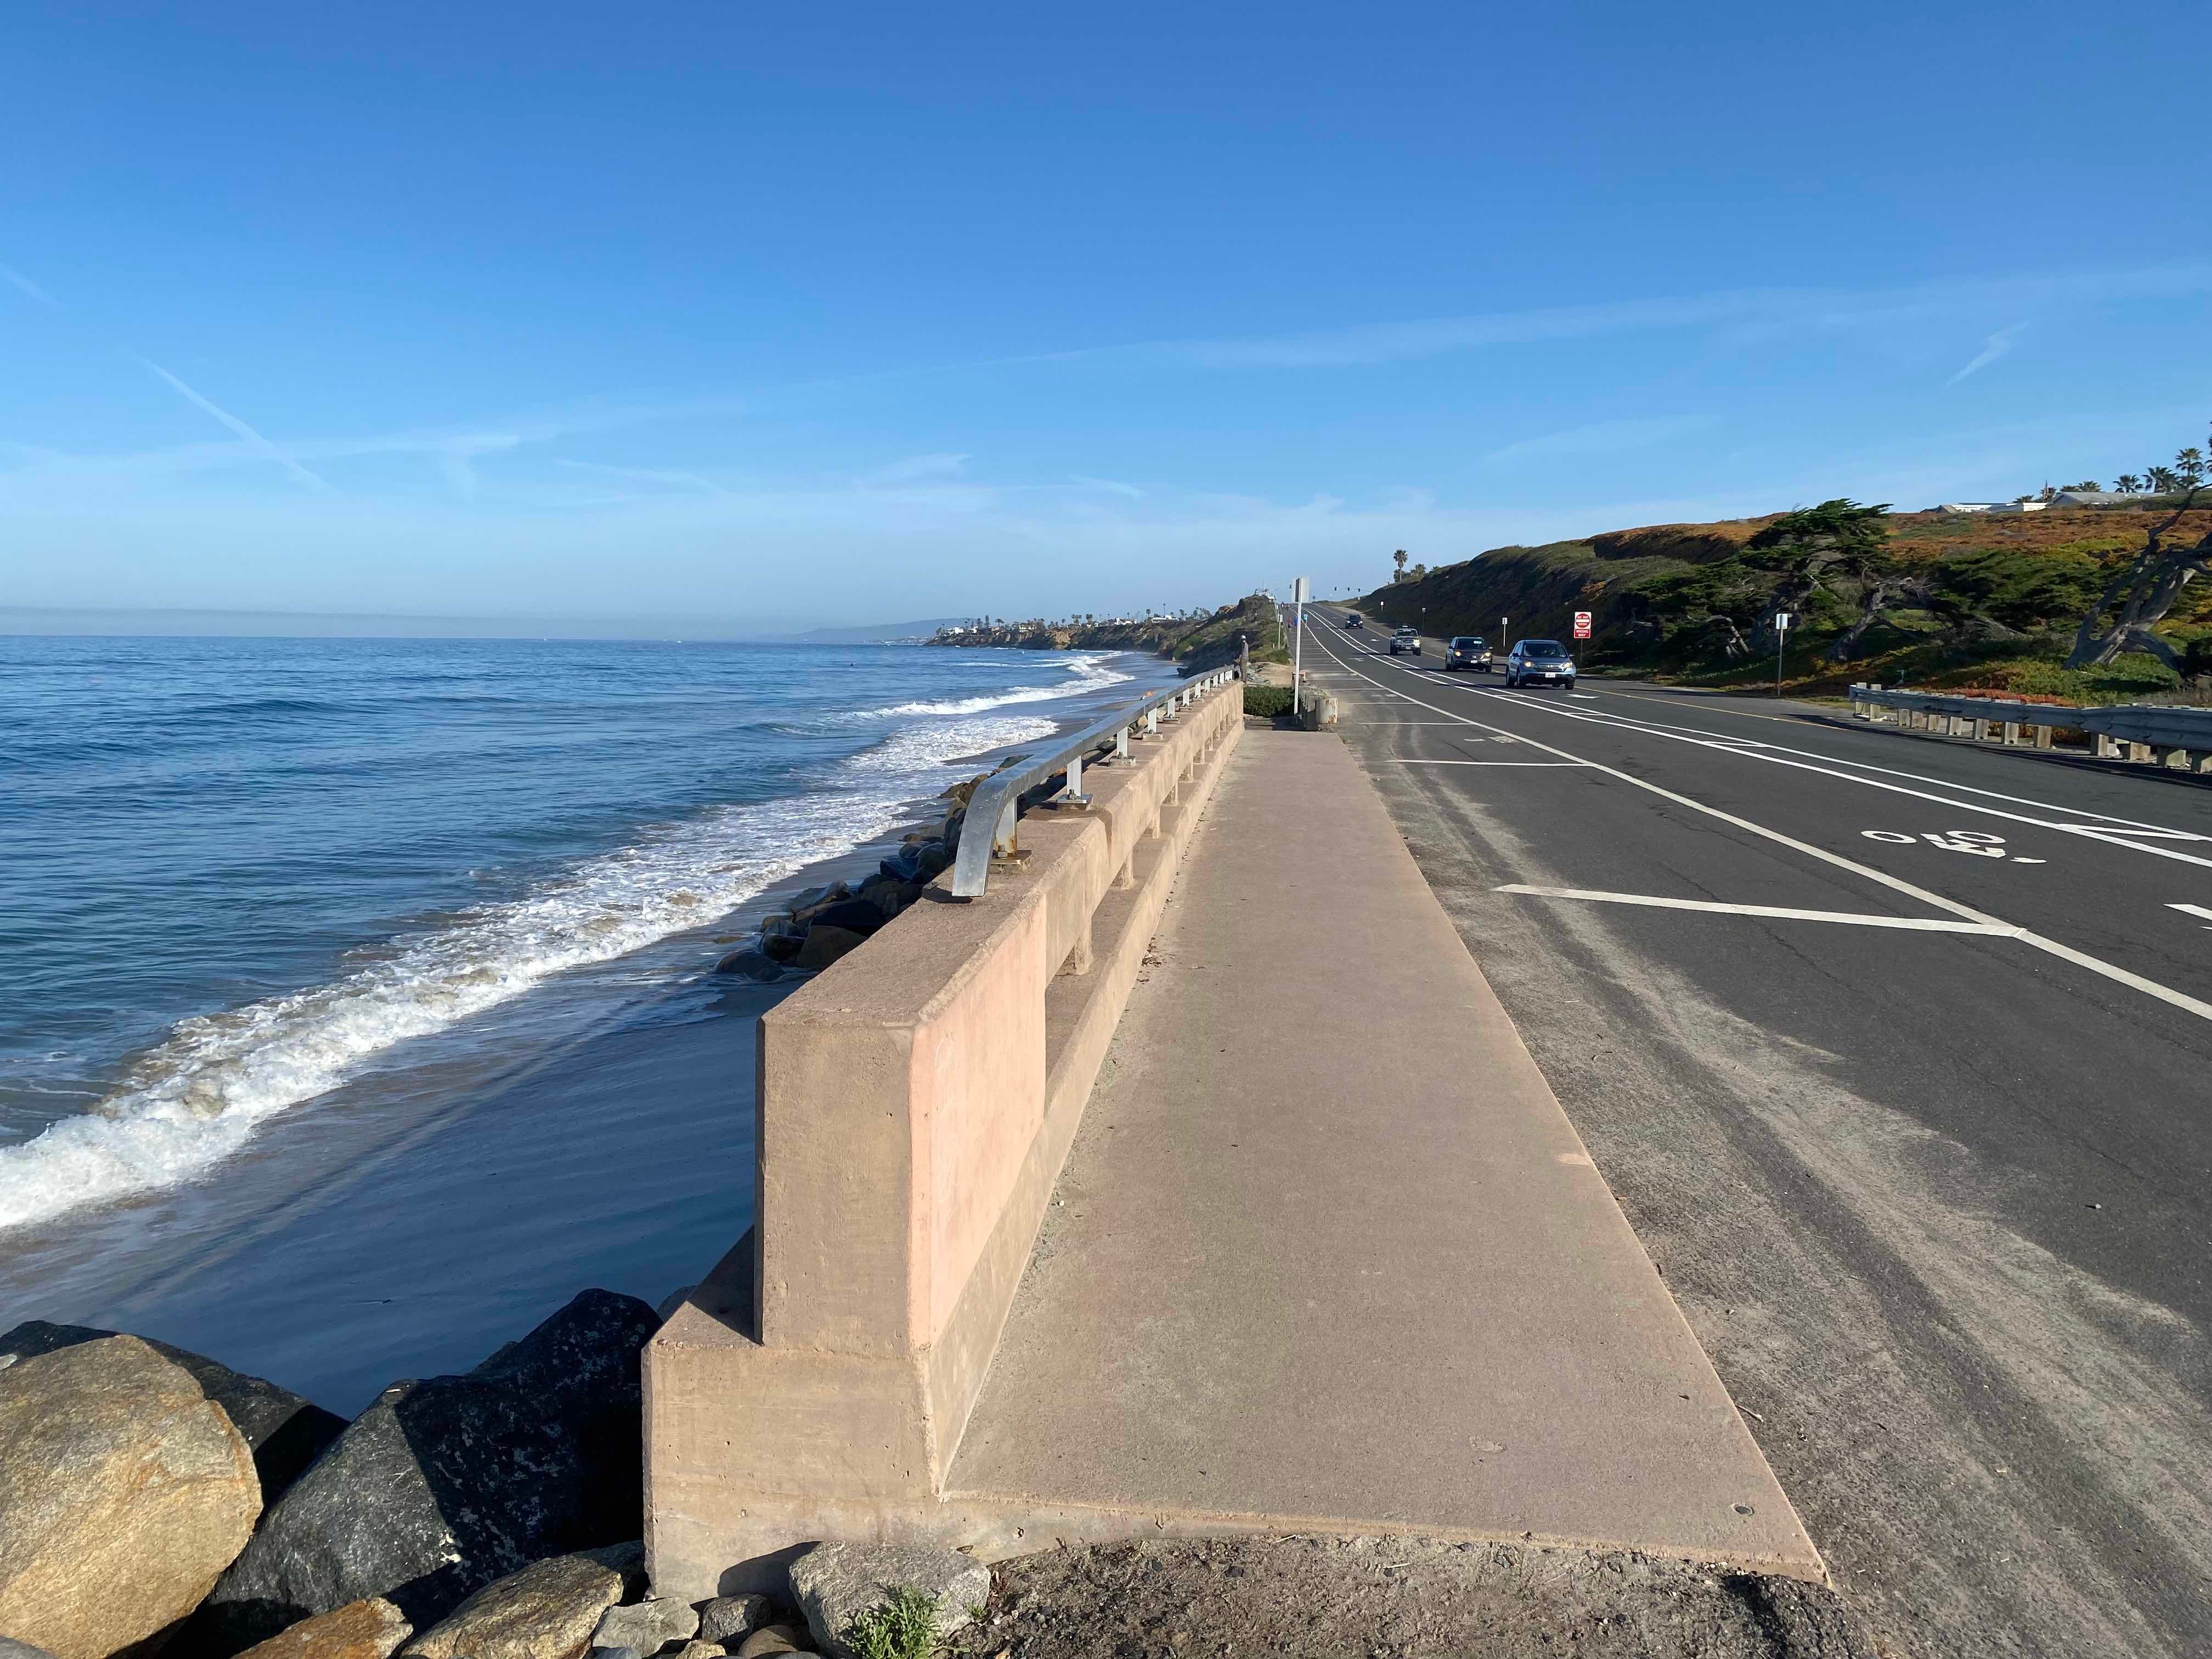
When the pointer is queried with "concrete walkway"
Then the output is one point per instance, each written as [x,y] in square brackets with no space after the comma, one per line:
[1328,1257]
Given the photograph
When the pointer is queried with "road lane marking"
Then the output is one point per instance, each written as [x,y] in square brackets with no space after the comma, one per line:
[2050,946]
[2192,909]
[1556,764]
[1851,918]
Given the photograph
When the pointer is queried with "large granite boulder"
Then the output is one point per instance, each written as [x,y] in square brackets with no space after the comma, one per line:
[547,1611]
[837,1584]
[286,1432]
[358,1630]
[125,1492]
[443,1485]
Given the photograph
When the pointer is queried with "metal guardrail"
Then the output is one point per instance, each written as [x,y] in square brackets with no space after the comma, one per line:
[997,800]
[2153,733]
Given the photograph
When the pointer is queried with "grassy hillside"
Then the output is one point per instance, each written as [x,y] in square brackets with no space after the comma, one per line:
[1982,602]
[1198,643]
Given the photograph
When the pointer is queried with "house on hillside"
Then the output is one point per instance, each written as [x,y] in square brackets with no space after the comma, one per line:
[2090,498]
[2029,505]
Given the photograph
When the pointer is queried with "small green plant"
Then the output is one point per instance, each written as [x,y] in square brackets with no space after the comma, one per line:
[1268,701]
[904,1627]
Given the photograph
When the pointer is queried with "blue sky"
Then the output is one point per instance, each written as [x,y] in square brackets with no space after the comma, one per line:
[726,313]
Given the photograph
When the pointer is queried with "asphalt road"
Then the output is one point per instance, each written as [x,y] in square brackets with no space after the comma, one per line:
[1907,1084]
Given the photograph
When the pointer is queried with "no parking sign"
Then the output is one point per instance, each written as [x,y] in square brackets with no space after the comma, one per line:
[1582,624]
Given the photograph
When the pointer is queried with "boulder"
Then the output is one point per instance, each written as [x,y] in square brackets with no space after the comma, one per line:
[444,1485]
[773,1639]
[836,1584]
[358,1630]
[125,1492]
[547,1611]
[728,1619]
[751,963]
[781,947]
[285,1432]
[647,1627]
[826,944]
[701,1650]
[11,1648]
[854,915]
[804,903]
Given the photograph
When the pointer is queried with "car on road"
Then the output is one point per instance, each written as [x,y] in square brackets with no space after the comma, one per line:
[1468,651]
[1355,620]
[1406,639]
[1540,662]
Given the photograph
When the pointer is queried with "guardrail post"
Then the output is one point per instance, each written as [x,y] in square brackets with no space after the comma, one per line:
[1003,844]
[2044,737]
[1121,745]
[2011,733]
[1073,795]
[2108,746]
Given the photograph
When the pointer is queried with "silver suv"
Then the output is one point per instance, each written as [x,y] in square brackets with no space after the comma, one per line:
[1540,662]
[1406,639]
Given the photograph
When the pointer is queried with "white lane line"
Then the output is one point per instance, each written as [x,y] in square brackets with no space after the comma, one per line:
[2192,909]
[1555,764]
[2120,975]
[1852,918]
[2109,834]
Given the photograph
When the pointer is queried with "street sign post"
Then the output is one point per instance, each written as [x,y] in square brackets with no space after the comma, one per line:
[1299,589]
[1782,621]
[1582,624]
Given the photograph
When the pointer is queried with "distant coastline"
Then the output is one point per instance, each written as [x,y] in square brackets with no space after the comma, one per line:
[1197,643]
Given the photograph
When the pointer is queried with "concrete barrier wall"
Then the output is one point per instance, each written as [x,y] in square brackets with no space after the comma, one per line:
[915,1103]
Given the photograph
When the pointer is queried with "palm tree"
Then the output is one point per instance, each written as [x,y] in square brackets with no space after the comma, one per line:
[2164,480]
[2127,483]
[1399,560]
[2189,466]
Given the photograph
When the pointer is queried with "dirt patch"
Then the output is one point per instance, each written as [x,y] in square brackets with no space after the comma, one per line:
[1390,1597]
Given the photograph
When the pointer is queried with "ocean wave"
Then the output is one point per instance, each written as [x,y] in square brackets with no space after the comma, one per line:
[196,1097]
[1088,672]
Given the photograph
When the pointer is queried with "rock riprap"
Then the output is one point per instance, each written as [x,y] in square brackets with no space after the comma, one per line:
[648,1627]
[286,1432]
[444,1485]
[835,1584]
[125,1492]
[547,1611]
[358,1630]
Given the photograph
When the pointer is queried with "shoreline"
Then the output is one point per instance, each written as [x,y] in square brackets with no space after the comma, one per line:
[394,1223]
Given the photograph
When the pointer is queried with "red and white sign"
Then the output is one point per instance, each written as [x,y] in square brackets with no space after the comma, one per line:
[1582,624]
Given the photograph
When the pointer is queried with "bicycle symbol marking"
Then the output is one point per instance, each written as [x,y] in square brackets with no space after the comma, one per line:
[1976,843]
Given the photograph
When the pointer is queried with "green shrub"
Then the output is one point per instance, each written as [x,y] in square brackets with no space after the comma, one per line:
[1268,701]
[904,1627]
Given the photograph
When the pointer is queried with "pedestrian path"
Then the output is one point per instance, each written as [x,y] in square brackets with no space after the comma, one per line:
[1326,1256]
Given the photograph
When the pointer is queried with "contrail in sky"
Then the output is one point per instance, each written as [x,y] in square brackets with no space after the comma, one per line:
[1995,347]
[237,426]
[256,439]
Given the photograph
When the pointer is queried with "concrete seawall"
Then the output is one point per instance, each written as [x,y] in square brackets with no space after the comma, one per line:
[916,1102]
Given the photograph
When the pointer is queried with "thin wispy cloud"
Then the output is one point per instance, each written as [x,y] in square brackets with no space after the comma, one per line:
[654,475]
[1599,438]
[1110,486]
[259,442]
[915,468]
[1995,347]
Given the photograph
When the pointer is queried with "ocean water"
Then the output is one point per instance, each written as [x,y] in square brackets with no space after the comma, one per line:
[354,995]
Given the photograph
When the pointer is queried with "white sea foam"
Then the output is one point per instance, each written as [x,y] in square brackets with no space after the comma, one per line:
[1086,673]
[197,1097]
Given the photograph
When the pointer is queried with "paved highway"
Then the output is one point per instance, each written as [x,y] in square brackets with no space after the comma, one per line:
[1897,1051]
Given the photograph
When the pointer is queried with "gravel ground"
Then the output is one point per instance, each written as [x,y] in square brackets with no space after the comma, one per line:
[1392,1596]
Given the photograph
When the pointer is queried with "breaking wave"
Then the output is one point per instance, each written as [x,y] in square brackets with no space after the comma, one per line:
[197,1097]
[1087,673]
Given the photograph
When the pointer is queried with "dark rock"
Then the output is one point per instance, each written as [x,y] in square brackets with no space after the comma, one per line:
[751,963]
[917,861]
[285,1432]
[443,1485]
[728,1619]
[805,904]
[781,947]
[854,915]
[936,857]
[826,944]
